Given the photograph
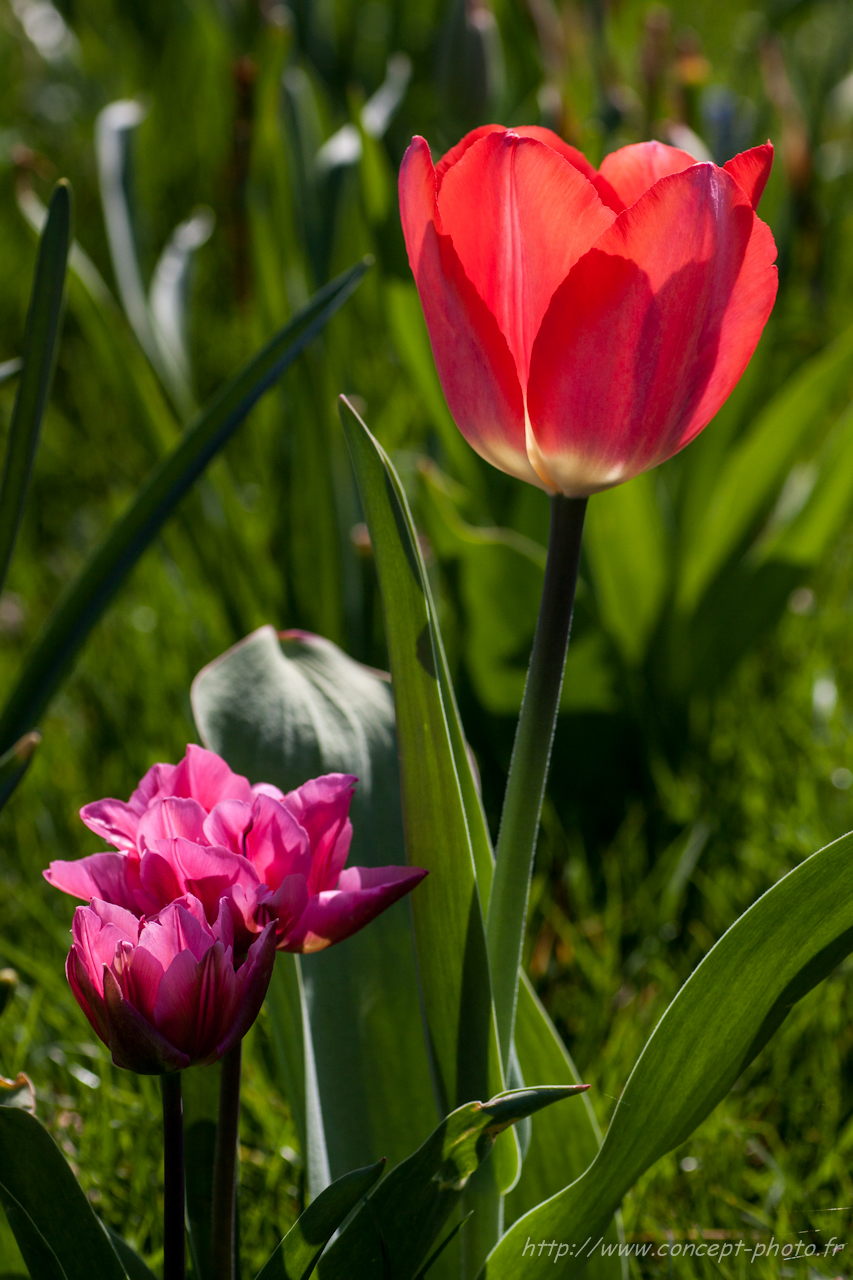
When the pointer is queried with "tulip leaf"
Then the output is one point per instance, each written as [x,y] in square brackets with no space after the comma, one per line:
[88,596]
[134,1266]
[15,762]
[35,1177]
[446,909]
[283,710]
[410,1206]
[758,463]
[297,1255]
[40,1259]
[40,345]
[781,948]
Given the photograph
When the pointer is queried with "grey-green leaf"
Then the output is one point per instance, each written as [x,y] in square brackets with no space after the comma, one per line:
[297,1255]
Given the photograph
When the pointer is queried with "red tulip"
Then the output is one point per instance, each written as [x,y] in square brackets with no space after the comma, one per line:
[586,325]
[197,828]
[162,993]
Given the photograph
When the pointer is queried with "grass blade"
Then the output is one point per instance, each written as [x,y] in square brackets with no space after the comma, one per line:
[40,343]
[90,593]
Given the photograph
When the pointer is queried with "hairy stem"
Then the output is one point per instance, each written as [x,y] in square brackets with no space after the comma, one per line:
[530,757]
[223,1210]
[174,1265]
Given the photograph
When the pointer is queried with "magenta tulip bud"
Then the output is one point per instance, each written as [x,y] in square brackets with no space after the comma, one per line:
[197,828]
[162,992]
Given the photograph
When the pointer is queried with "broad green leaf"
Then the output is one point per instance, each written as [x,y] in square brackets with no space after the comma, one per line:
[626,545]
[411,1205]
[448,920]
[88,596]
[134,1266]
[283,710]
[297,1255]
[40,1259]
[40,345]
[564,1142]
[758,464]
[784,945]
[15,762]
[35,1174]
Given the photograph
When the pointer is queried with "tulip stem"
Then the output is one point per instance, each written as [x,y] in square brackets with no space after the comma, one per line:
[531,754]
[224,1204]
[174,1249]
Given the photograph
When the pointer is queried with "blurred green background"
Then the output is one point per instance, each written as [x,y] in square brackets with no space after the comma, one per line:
[705,742]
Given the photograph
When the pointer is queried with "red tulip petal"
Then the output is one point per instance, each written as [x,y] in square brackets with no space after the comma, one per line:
[519,217]
[632,170]
[651,331]
[335,914]
[751,169]
[576,158]
[476,369]
[101,875]
[456,153]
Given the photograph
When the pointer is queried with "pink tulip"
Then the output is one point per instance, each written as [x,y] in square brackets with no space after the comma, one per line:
[270,855]
[162,992]
[586,325]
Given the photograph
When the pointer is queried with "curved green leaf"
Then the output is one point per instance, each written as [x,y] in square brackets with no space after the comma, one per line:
[134,1266]
[297,1255]
[786,943]
[35,1174]
[83,603]
[15,762]
[412,1204]
[40,1259]
[40,345]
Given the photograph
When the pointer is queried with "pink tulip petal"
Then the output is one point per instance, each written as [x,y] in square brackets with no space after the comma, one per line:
[267,789]
[97,932]
[139,973]
[112,820]
[196,999]
[180,867]
[101,875]
[751,169]
[474,364]
[632,170]
[651,331]
[170,817]
[227,824]
[336,914]
[321,806]
[287,903]
[206,777]
[134,1043]
[253,979]
[181,926]
[519,217]
[87,994]
[159,877]
[277,845]
[156,784]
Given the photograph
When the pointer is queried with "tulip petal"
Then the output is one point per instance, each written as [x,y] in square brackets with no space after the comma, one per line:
[89,998]
[321,807]
[277,845]
[101,875]
[196,999]
[253,978]
[288,903]
[632,170]
[134,1043]
[181,926]
[335,914]
[456,153]
[227,824]
[519,217]
[651,331]
[578,159]
[204,776]
[474,364]
[172,816]
[139,973]
[751,169]
[112,820]
[156,783]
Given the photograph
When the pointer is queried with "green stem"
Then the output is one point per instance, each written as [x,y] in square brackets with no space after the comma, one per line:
[529,766]
[224,1202]
[174,1251]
